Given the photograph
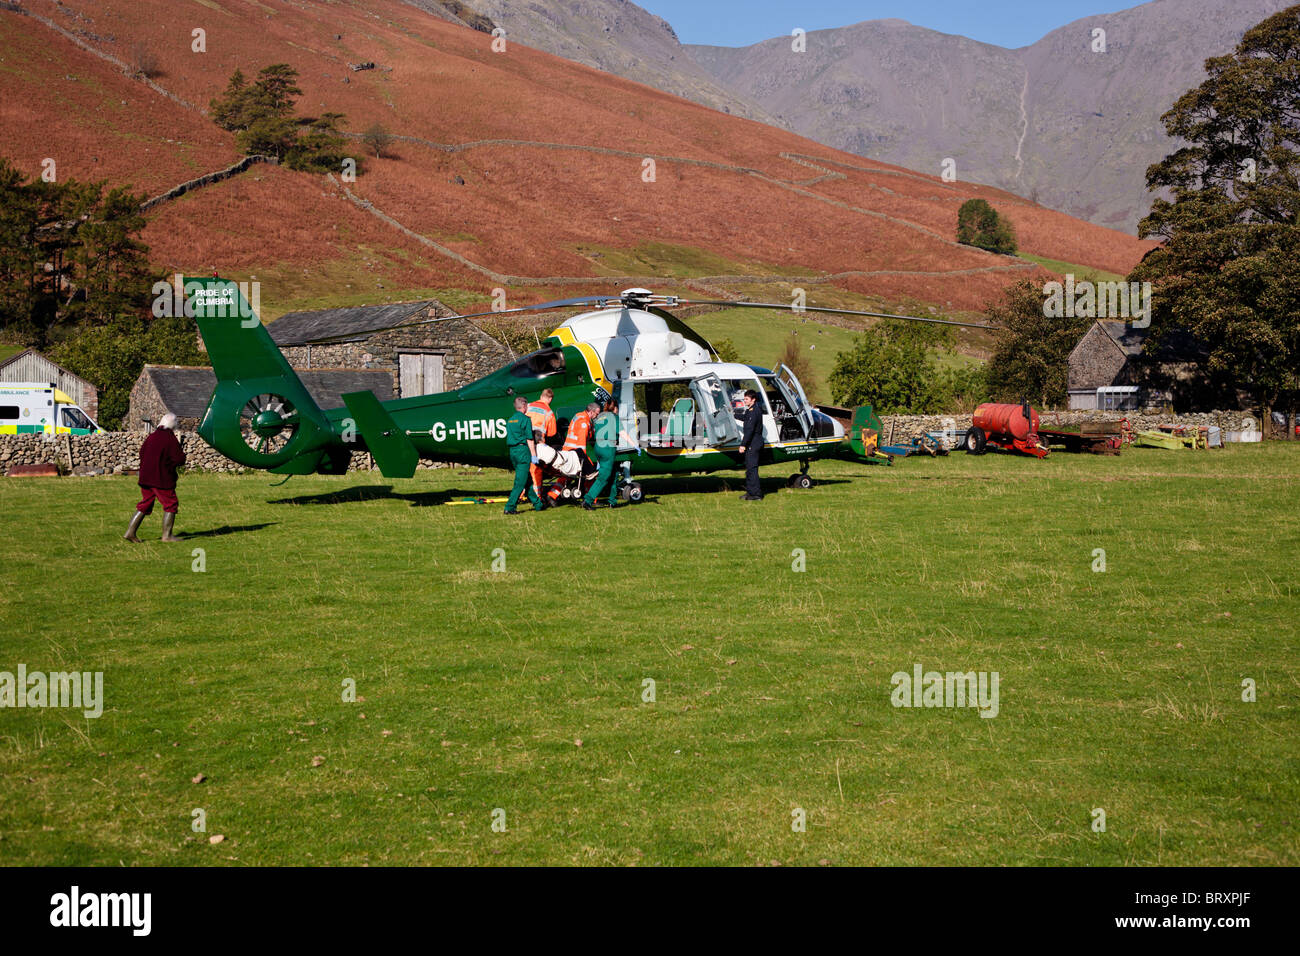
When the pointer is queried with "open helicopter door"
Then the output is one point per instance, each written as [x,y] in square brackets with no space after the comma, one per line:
[715,410]
[795,399]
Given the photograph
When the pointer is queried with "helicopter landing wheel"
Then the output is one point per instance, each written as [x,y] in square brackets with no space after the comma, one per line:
[634,492]
[802,480]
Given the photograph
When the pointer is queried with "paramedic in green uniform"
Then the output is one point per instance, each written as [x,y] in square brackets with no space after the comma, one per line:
[607,433]
[522,451]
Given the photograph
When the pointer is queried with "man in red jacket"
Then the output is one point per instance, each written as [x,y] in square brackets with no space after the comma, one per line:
[160,456]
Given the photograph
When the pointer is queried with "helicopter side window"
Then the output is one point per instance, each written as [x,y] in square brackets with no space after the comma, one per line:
[539,364]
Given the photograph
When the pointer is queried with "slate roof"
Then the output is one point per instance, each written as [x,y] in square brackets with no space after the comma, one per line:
[1129,339]
[345,325]
[186,390]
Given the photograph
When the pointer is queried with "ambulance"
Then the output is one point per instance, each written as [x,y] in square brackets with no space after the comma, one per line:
[34,408]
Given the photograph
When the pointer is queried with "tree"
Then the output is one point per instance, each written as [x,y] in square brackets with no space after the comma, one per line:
[262,118]
[795,358]
[68,252]
[377,138]
[890,368]
[19,253]
[979,225]
[269,136]
[962,389]
[1030,357]
[144,62]
[233,109]
[1228,271]
[320,148]
[112,356]
[276,90]
[726,350]
[113,264]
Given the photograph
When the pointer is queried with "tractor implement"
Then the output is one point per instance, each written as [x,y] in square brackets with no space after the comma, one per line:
[1009,427]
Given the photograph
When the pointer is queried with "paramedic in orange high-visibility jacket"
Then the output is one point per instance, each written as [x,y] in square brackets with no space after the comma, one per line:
[576,439]
[543,419]
[579,434]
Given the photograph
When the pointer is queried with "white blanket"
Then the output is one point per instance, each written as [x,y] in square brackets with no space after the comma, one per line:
[566,463]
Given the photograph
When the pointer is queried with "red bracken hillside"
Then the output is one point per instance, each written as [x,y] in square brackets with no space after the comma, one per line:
[513,168]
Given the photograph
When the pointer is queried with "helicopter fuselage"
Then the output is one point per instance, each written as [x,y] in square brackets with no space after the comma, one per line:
[679,406]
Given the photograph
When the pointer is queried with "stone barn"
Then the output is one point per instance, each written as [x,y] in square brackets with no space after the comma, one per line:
[1106,358]
[421,358]
[30,365]
[1116,367]
[186,390]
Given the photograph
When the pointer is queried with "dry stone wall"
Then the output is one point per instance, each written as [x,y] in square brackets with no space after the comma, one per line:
[118,452]
[115,453]
[907,427]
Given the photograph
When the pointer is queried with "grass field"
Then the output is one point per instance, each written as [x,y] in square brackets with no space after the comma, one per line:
[522,689]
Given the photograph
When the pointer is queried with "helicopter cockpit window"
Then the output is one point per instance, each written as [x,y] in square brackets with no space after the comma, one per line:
[537,364]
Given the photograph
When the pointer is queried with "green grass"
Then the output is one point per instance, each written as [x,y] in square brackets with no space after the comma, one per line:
[760,337]
[1080,273]
[8,350]
[1119,690]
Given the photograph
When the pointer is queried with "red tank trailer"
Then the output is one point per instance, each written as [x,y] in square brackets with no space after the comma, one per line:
[1012,427]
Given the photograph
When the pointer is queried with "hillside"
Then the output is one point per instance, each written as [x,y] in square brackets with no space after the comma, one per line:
[1074,128]
[618,37]
[515,169]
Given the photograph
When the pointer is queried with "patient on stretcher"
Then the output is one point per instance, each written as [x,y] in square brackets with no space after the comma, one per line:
[566,466]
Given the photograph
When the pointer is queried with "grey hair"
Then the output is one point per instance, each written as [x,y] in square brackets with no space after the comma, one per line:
[593,408]
[168,422]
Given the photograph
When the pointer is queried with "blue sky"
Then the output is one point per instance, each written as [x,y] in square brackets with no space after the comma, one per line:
[1009,23]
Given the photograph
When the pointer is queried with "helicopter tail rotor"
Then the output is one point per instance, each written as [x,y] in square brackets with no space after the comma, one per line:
[260,414]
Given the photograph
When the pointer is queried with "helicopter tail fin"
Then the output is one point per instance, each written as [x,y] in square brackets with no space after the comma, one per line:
[393,452]
[260,413]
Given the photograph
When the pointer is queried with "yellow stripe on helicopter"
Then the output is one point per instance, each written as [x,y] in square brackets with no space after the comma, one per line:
[594,366]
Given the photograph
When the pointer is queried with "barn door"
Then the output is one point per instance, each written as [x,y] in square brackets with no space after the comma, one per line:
[421,373]
[432,374]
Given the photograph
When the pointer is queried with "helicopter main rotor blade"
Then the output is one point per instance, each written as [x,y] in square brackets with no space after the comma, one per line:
[662,301]
[787,307]
[600,300]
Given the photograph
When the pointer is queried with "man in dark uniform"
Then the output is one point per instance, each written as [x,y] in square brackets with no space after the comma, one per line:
[160,456]
[523,453]
[751,444]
